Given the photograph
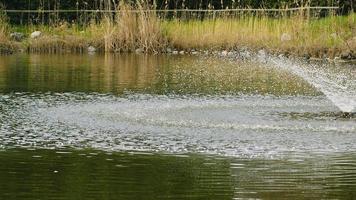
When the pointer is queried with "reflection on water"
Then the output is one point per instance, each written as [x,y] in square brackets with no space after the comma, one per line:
[89,174]
[142,73]
[161,127]
[63,174]
[59,73]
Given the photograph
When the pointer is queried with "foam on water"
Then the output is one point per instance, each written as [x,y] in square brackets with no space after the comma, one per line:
[241,126]
[339,87]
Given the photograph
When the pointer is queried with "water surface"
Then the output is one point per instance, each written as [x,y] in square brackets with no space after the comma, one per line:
[170,127]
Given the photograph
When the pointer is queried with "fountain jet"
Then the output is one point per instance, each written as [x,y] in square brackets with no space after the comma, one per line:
[339,87]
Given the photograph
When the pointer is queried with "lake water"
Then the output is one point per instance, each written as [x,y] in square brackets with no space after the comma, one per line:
[169,127]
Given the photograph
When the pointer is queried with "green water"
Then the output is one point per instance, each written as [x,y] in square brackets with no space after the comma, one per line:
[166,127]
[100,175]
[90,174]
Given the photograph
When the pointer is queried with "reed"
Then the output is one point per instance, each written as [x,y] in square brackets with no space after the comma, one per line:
[138,27]
[134,27]
[5,44]
[313,36]
[3,27]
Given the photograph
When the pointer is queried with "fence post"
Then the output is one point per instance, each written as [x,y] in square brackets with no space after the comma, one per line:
[214,21]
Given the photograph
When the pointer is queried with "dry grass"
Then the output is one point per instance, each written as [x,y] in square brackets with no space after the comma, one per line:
[3,31]
[57,44]
[134,28]
[3,28]
[5,45]
[130,30]
[306,36]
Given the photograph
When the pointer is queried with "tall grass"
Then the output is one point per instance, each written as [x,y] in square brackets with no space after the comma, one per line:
[134,27]
[306,35]
[3,27]
[5,45]
[138,27]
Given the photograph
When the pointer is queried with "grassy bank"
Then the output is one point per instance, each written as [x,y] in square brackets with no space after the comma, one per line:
[144,31]
[5,43]
[296,35]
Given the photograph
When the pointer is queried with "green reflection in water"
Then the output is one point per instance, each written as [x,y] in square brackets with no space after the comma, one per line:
[90,174]
[49,174]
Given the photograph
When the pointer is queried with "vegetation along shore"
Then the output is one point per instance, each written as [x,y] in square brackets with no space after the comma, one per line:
[140,27]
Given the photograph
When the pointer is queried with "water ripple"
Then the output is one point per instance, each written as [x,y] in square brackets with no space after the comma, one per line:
[242,126]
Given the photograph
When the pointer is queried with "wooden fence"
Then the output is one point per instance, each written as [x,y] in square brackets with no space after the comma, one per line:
[84,16]
[175,10]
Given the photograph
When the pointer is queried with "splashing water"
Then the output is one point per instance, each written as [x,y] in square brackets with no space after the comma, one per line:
[238,126]
[339,87]
[200,118]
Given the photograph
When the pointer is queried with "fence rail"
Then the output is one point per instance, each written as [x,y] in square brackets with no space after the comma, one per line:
[170,10]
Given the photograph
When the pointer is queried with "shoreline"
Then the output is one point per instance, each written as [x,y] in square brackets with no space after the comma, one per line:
[235,53]
[328,38]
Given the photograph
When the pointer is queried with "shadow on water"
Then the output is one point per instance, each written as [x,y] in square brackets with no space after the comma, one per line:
[67,174]
[89,174]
